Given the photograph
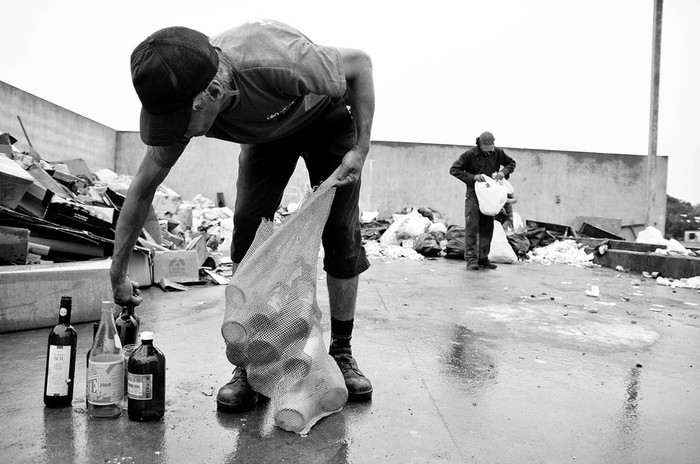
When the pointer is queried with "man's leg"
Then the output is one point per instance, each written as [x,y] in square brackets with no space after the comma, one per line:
[343,296]
[485,236]
[471,230]
[331,137]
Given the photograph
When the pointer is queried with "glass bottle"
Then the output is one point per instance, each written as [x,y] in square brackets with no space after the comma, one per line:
[128,329]
[60,359]
[105,380]
[95,326]
[127,326]
[146,381]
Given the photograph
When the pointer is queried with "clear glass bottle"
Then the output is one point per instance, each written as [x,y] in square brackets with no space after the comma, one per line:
[105,381]
[146,381]
[60,359]
[95,326]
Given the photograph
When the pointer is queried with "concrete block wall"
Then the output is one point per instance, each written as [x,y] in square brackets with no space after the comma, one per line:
[56,133]
[551,186]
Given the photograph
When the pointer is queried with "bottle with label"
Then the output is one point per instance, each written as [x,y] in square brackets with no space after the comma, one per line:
[60,359]
[105,380]
[146,374]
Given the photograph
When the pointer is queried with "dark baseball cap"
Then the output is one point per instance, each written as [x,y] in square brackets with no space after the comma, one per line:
[168,70]
[487,139]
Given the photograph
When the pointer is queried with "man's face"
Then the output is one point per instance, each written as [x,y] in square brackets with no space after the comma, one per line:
[204,112]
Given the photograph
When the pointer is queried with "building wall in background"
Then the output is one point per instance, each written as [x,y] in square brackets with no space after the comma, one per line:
[551,186]
[56,133]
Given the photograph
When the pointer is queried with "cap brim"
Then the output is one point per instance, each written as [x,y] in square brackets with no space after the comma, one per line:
[165,129]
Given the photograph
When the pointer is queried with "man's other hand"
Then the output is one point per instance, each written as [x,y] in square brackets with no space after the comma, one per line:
[351,168]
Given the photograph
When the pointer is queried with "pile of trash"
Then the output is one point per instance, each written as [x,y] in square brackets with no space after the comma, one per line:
[419,233]
[412,234]
[56,212]
[562,252]
[653,236]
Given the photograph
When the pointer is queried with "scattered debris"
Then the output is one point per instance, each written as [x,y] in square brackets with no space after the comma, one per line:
[594,291]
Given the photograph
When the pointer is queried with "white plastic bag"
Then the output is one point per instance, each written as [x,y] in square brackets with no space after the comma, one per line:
[405,226]
[491,195]
[651,235]
[501,251]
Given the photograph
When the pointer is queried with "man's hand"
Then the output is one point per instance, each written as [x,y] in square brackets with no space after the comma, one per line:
[498,175]
[126,293]
[480,178]
[350,168]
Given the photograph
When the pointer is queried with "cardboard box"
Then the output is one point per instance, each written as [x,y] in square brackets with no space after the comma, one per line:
[179,266]
[95,219]
[29,295]
[14,182]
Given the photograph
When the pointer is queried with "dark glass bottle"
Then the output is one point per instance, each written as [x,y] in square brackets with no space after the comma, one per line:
[127,326]
[60,359]
[146,372]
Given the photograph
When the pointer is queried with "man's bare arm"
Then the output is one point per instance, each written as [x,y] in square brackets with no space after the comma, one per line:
[133,216]
[358,74]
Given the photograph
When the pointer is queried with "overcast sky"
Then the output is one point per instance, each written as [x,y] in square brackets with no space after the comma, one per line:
[541,74]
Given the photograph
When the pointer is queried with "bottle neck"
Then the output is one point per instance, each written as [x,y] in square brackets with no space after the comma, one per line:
[107,314]
[147,342]
[64,312]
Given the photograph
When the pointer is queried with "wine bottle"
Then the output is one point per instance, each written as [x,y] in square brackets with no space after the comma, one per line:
[105,381]
[146,374]
[60,359]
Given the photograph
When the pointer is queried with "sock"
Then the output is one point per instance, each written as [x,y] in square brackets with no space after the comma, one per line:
[341,333]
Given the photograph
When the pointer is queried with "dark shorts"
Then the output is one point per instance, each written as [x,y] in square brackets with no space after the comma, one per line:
[265,169]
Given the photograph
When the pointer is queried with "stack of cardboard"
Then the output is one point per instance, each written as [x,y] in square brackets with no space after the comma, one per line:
[54,212]
[57,228]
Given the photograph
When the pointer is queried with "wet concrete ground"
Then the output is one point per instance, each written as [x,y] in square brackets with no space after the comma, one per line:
[506,366]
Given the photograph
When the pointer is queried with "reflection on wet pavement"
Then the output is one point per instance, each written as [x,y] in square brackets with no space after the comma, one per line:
[467,358]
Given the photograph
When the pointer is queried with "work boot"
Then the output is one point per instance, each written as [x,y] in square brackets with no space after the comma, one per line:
[359,387]
[472,266]
[486,264]
[237,396]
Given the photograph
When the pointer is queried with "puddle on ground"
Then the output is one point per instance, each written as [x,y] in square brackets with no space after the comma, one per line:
[550,322]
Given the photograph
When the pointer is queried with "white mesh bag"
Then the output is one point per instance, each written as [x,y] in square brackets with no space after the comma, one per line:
[272,324]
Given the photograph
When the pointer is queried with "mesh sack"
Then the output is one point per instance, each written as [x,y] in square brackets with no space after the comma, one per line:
[272,324]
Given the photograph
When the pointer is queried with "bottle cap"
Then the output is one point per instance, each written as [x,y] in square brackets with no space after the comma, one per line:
[146,336]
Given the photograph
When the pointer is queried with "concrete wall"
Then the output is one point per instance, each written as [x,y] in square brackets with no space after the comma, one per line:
[551,186]
[56,133]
